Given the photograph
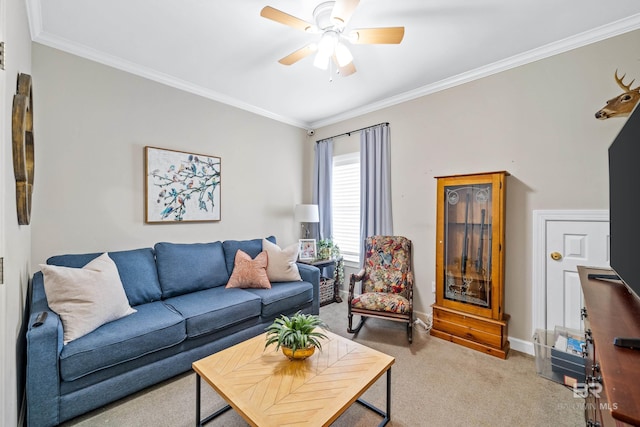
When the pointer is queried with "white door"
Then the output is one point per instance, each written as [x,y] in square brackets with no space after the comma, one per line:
[568,245]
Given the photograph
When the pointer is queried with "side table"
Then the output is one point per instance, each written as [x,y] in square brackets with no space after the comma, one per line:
[329,262]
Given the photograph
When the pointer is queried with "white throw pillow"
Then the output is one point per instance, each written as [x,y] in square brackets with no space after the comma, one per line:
[85,298]
[282,262]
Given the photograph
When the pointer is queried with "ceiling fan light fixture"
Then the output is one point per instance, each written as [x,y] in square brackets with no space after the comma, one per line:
[330,20]
[343,55]
[327,46]
[328,43]
[321,61]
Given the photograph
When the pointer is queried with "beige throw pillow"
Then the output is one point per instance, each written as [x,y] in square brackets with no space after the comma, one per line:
[85,298]
[249,273]
[282,262]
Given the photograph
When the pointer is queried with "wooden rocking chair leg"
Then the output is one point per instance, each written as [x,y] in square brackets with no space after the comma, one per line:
[410,332]
[357,328]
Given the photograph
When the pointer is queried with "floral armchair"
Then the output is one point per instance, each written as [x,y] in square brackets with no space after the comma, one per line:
[386,289]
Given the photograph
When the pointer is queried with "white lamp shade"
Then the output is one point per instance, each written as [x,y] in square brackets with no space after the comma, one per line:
[307,213]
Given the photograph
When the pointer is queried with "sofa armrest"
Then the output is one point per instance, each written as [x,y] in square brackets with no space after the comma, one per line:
[44,344]
[311,274]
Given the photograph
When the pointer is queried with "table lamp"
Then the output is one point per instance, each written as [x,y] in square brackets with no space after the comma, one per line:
[305,214]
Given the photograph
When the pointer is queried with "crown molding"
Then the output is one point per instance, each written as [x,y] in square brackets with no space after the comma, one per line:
[588,37]
[34,15]
[38,35]
[166,79]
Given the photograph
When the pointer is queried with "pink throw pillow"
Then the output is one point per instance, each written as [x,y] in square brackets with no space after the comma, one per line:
[249,273]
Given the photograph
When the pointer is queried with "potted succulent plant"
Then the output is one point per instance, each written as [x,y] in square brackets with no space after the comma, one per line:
[298,335]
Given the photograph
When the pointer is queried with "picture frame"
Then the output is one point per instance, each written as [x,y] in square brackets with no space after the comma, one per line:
[181,186]
[307,250]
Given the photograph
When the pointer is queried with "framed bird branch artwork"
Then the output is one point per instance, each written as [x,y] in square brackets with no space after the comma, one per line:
[181,187]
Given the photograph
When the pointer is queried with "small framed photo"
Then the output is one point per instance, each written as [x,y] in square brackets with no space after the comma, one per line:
[307,250]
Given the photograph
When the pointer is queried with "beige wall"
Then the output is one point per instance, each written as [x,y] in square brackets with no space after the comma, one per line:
[15,240]
[89,180]
[92,123]
[536,122]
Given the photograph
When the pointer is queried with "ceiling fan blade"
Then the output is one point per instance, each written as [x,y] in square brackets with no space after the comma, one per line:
[298,54]
[387,35]
[284,18]
[347,70]
[342,11]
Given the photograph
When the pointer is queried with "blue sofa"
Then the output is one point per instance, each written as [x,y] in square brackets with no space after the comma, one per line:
[183,313]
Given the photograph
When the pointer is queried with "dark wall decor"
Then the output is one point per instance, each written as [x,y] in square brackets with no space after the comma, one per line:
[23,147]
[181,187]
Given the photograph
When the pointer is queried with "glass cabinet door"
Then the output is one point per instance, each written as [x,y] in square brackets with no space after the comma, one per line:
[467,244]
[470,236]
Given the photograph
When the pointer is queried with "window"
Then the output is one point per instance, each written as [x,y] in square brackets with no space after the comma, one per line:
[346,205]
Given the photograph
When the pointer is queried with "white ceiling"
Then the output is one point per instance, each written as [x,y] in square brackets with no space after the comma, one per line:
[224,50]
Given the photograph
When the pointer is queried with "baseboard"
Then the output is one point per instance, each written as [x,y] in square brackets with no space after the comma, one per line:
[522,346]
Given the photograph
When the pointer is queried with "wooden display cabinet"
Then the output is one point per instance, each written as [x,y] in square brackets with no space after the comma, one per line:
[470,262]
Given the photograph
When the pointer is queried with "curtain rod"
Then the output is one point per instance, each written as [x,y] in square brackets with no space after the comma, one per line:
[353,131]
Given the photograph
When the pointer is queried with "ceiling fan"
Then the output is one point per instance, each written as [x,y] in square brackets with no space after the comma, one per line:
[330,20]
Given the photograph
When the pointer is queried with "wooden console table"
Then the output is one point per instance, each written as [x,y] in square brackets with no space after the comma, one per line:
[329,262]
[613,373]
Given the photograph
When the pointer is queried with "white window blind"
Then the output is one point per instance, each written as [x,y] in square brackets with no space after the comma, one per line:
[346,205]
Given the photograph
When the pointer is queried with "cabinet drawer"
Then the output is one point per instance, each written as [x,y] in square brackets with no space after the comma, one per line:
[485,331]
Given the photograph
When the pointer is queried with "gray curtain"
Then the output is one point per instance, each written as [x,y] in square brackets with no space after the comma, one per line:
[375,184]
[322,174]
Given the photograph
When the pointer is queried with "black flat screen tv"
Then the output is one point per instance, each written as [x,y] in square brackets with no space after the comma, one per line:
[624,207]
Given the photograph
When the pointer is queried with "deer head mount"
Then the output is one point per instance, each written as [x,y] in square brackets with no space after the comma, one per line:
[621,105]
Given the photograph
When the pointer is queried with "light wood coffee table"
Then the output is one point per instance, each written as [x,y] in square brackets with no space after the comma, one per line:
[267,389]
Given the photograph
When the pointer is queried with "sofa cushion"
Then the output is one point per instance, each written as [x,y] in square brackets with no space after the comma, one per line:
[282,262]
[214,309]
[189,267]
[153,327]
[283,297]
[137,269]
[249,273]
[85,298]
[250,247]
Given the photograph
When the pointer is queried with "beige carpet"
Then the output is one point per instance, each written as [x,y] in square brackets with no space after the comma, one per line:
[434,383]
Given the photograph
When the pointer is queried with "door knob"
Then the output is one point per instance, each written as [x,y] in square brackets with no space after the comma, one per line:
[556,256]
